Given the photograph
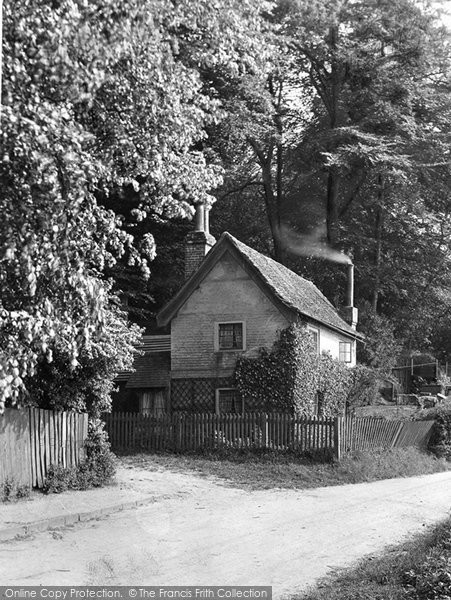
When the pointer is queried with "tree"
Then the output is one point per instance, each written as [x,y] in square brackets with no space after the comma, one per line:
[97,101]
[163,109]
[54,238]
[337,105]
[344,140]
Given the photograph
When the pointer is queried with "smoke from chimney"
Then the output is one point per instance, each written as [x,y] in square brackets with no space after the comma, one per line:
[312,244]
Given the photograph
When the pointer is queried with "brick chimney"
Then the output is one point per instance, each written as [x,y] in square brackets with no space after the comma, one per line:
[198,242]
[349,313]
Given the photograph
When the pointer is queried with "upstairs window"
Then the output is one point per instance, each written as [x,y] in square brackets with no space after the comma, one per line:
[228,401]
[230,336]
[345,352]
[314,332]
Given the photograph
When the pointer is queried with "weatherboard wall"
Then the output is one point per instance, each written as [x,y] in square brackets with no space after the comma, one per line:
[226,294]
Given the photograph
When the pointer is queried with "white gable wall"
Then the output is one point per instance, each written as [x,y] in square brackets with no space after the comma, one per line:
[329,341]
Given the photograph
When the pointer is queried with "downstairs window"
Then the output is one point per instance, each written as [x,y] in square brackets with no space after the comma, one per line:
[228,401]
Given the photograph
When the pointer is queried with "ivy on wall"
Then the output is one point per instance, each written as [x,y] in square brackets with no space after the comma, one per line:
[293,378]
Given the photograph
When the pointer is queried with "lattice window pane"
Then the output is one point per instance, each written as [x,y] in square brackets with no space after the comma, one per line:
[229,402]
[230,336]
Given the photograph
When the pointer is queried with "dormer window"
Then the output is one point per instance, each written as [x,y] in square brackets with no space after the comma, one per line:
[230,336]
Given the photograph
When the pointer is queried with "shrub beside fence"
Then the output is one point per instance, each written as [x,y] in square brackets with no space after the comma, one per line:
[184,432]
[32,439]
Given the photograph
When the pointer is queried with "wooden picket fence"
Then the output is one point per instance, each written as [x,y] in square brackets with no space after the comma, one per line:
[369,433]
[180,432]
[184,432]
[33,439]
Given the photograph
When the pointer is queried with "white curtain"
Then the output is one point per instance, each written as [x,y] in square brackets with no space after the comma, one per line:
[146,403]
[151,402]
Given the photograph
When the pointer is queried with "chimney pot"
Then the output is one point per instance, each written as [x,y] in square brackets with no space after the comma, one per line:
[207,219]
[349,313]
[350,286]
[198,242]
[200,215]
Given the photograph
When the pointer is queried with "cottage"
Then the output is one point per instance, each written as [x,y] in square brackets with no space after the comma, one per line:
[236,300]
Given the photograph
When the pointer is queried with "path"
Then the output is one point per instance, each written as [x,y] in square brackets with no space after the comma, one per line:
[204,533]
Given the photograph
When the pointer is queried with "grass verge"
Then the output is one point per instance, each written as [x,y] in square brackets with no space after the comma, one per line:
[416,570]
[274,470]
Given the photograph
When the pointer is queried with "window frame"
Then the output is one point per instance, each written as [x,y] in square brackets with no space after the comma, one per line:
[217,400]
[340,353]
[316,330]
[216,336]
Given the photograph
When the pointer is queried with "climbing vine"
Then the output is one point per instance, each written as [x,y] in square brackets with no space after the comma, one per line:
[282,378]
[292,377]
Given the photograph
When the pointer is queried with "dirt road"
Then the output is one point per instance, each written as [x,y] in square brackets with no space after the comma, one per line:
[204,533]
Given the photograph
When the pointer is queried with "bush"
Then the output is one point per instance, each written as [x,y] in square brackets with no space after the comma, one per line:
[440,441]
[60,479]
[10,490]
[97,470]
[100,461]
[333,383]
[364,386]
[431,580]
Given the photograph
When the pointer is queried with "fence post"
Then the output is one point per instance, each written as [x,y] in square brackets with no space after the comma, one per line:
[398,433]
[264,428]
[338,421]
[178,443]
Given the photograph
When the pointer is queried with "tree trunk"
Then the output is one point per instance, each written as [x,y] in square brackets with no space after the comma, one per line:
[333,178]
[271,164]
[378,232]
[332,207]
[272,210]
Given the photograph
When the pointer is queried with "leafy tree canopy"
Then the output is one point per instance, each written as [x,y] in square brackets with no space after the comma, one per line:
[97,97]
[343,142]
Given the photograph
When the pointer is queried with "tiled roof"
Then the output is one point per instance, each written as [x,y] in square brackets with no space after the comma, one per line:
[151,370]
[287,288]
[291,289]
[156,343]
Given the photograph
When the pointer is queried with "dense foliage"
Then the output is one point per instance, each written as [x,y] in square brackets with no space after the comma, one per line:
[293,378]
[334,381]
[440,440]
[282,379]
[98,468]
[316,126]
[343,142]
[430,580]
[101,103]
[334,136]
[10,490]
